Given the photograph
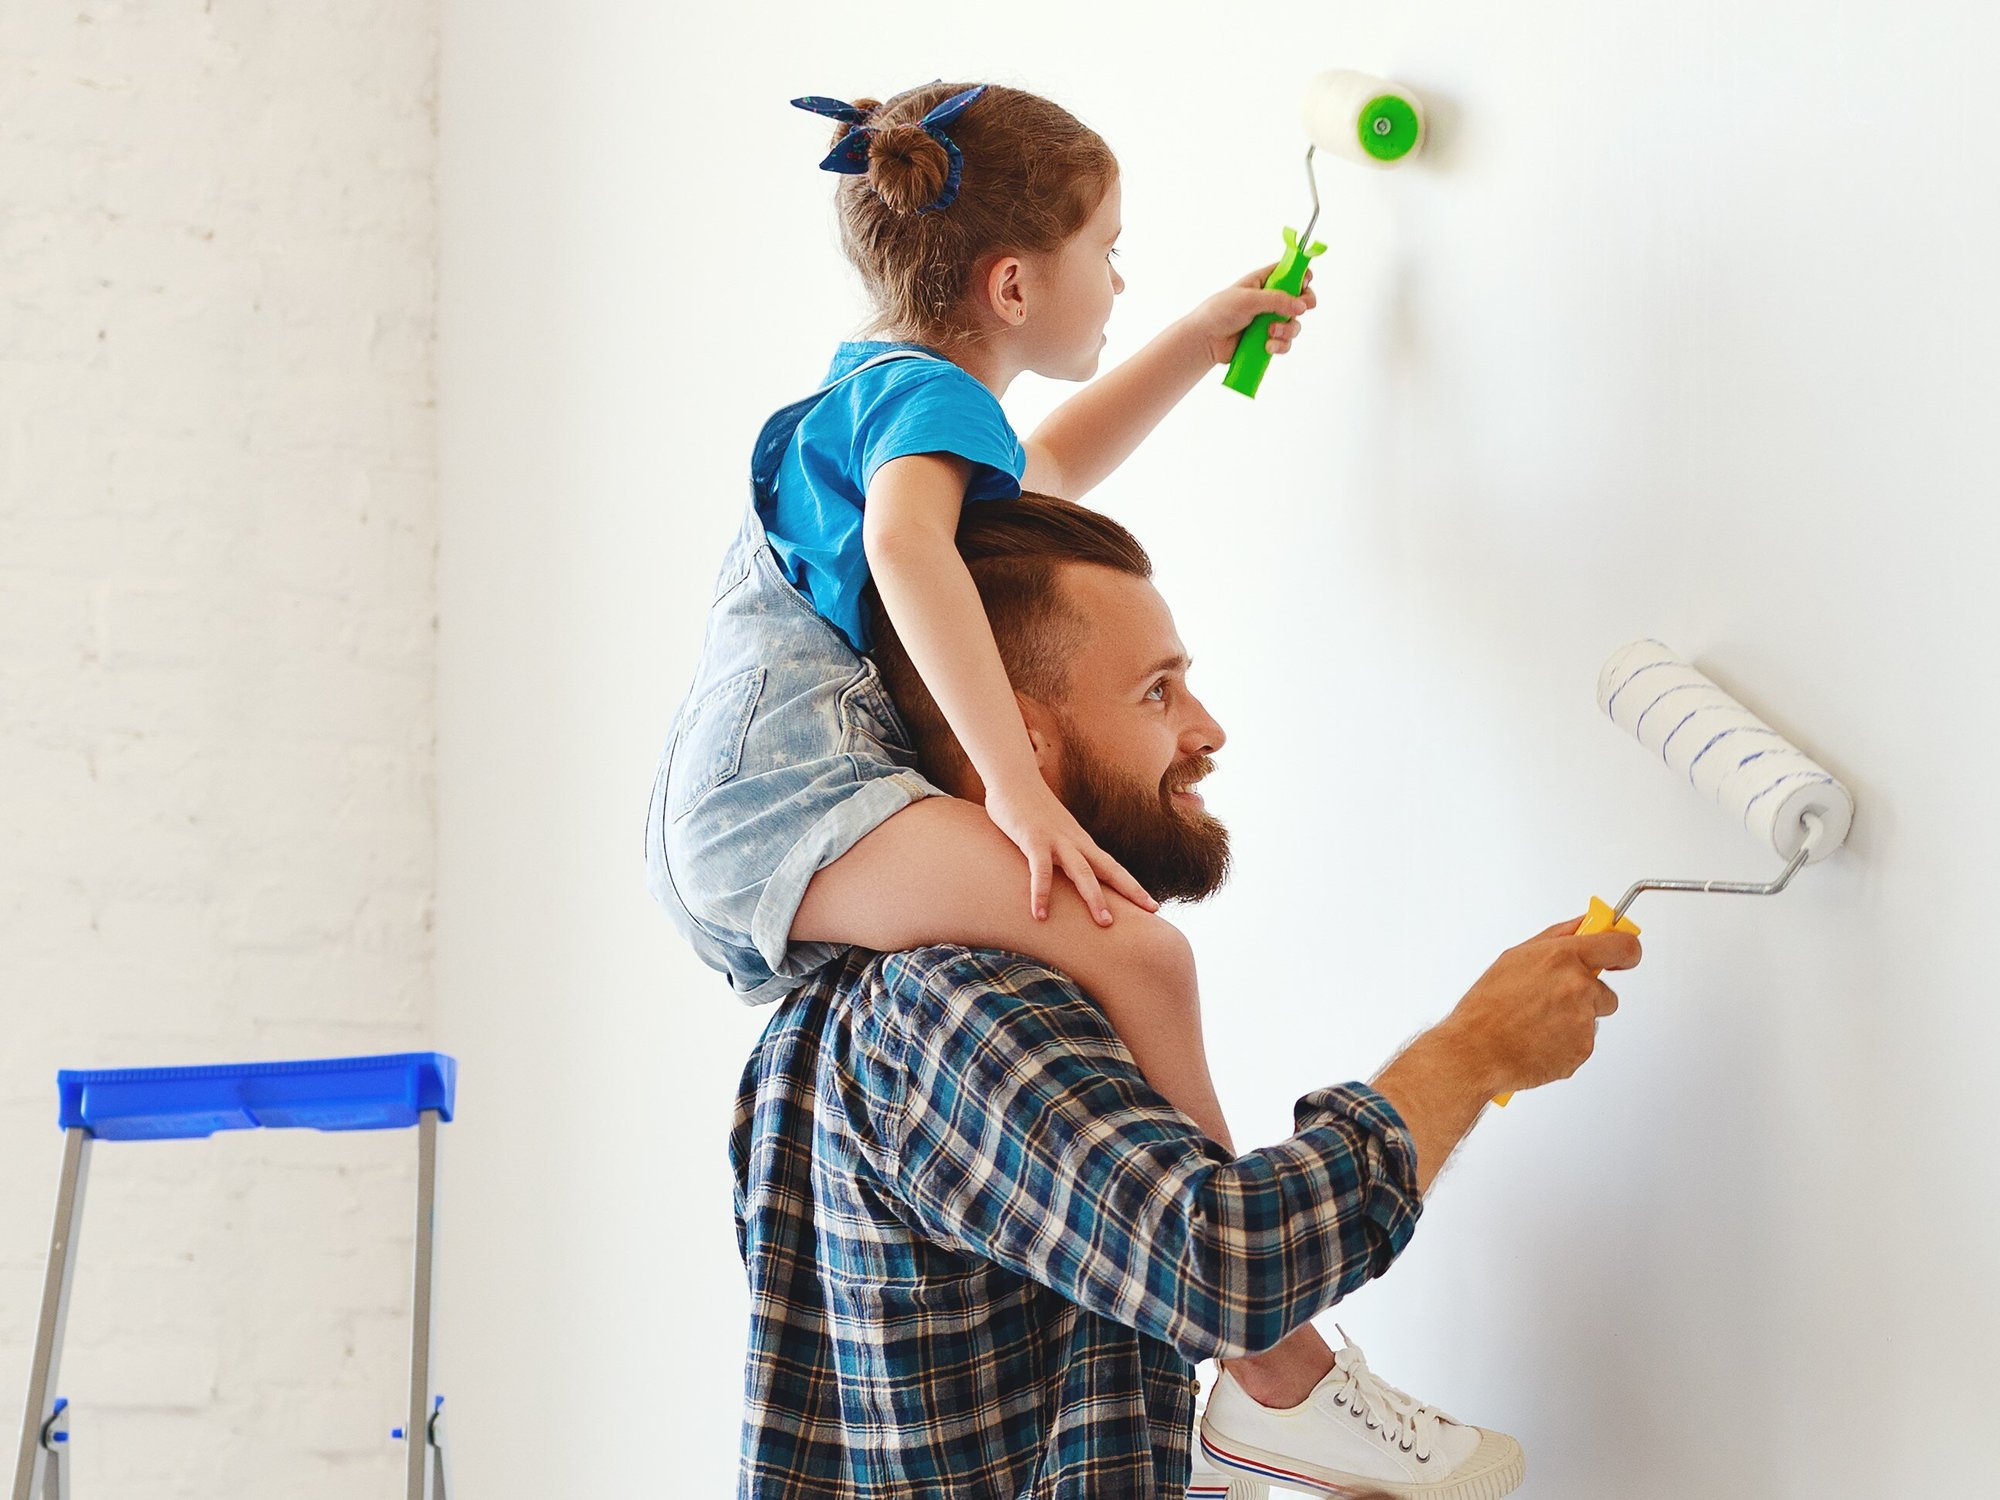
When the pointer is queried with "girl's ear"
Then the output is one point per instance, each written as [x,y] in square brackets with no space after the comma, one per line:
[1006,291]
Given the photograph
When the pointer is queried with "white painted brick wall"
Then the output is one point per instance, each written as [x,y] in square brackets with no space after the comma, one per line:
[217,547]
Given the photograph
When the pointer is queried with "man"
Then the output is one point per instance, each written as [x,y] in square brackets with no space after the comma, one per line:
[983,1253]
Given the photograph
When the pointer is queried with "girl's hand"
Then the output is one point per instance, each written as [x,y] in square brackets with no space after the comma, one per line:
[1221,320]
[1042,828]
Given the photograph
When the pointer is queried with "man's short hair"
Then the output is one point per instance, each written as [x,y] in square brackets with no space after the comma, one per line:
[1015,551]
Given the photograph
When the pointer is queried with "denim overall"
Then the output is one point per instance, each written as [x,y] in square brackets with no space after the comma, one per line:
[786,750]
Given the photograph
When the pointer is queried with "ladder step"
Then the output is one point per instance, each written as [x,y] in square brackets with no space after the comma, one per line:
[335,1093]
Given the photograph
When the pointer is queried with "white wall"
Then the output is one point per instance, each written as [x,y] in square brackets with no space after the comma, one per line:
[1684,327]
[217,533]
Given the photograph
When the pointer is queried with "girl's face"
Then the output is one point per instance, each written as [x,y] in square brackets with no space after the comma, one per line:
[1072,292]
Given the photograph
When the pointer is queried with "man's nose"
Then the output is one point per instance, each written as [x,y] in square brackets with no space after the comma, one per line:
[1202,735]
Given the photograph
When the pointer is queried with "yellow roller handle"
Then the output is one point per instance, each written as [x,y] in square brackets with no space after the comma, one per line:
[1599,920]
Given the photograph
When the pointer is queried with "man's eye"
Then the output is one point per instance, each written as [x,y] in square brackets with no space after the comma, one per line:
[1158,690]
[1114,252]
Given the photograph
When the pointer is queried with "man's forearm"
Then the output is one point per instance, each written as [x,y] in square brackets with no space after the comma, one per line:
[1438,1084]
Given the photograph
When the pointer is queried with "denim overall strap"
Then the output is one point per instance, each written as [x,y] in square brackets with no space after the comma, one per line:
[776,435]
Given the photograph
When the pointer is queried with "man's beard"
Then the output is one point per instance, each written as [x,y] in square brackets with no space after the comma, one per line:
[1176,855]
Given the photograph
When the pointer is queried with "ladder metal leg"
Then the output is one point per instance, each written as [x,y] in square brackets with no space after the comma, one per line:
[425,1468]
[40,1459]
[437,1452]
[55,1468]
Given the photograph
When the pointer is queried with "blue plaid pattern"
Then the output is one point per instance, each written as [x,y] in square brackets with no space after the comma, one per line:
[983,1252]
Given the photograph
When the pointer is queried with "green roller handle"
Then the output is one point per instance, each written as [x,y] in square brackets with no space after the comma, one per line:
[1246,369]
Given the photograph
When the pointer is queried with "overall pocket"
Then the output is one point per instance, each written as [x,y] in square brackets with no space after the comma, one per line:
[866,709]
[708,743]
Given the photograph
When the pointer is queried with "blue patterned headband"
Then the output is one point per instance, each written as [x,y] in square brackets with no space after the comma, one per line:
[851,154]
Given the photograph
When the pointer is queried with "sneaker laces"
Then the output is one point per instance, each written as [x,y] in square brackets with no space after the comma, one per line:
[1404,1420]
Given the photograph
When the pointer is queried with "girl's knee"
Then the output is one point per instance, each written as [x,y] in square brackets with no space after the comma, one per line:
[1162,950]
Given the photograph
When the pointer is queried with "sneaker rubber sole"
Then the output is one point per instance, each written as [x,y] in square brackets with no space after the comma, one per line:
[1242,1487]
[1492,1470]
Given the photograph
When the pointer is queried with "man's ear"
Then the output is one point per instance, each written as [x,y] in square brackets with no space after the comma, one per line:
[1044,736]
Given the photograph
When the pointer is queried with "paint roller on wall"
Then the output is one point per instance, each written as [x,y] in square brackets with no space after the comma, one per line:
[1359,118]
[1774,790]
[1780,794]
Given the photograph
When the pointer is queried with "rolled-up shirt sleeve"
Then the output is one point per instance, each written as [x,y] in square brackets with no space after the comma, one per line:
[1021,1131]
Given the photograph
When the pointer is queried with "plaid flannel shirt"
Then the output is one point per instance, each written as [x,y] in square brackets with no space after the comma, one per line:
[982,1250]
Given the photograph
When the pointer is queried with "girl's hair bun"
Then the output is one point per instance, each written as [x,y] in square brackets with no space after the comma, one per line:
[907,166]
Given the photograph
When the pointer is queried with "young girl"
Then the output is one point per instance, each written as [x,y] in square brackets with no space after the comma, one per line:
[982,221]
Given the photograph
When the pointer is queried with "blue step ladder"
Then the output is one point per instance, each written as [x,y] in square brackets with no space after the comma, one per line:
[391,1092]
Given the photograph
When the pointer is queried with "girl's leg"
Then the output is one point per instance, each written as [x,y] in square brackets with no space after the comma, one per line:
[940,872]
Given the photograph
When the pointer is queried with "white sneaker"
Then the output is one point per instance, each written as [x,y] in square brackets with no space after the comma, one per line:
[1357,1433]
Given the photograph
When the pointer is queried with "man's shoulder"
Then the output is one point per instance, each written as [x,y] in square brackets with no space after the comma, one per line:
[956,986]
[946,969]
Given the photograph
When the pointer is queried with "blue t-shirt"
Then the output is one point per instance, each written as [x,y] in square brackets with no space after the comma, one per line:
[905,406]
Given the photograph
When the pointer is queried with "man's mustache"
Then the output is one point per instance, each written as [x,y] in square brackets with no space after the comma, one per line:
[1183,774]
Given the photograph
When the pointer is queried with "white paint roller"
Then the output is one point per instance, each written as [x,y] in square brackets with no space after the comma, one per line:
[1775,791]
[1726,753]
[1362,118]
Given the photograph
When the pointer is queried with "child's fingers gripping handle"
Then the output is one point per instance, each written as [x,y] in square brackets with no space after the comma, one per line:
[1252,358]
[1600,919]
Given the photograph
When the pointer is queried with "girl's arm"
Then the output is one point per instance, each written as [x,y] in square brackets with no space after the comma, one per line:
[907,531]
[1096,430]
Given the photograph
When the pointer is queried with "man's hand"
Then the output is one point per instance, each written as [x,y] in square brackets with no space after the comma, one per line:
[1531,1019]
[1533,1015]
